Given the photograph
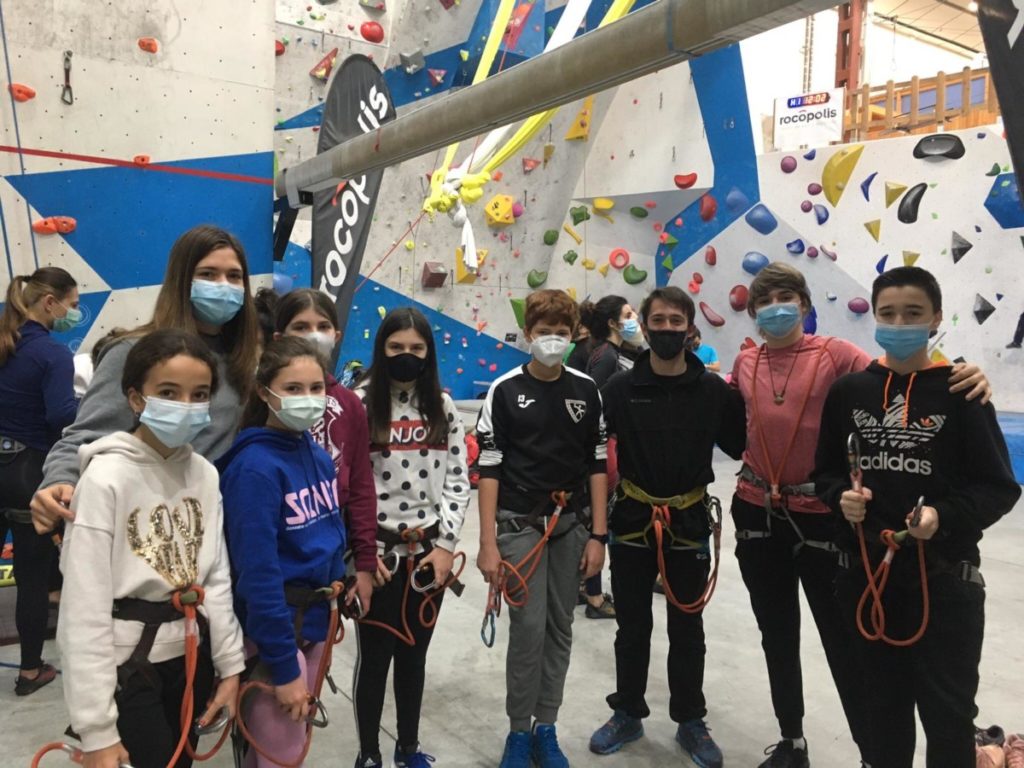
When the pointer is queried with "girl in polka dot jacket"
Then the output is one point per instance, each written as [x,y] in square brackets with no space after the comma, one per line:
[418,453]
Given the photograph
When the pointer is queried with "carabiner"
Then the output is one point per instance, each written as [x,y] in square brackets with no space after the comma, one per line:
[395,558]
[853,459]
[488,635]
[223,718]
[318,709]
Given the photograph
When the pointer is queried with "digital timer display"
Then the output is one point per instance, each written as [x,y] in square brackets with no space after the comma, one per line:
[809,100]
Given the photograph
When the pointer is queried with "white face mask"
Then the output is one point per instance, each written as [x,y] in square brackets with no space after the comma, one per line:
[549,350]
[324,341]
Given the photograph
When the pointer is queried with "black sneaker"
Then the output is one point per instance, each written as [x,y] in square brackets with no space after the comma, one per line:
[785,755]
[991,735]
[1013,345]
[605,610]
[24,686]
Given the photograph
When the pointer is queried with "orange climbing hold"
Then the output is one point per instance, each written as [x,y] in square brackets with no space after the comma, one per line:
[149,44]
[141,159]
[54,225]
[685,180]
[708,207]
[21,92]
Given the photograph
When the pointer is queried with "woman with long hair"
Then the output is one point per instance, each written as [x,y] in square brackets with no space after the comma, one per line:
[37,401]
[417,449]
[205,291]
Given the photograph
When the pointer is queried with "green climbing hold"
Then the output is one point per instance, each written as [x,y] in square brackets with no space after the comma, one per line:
[570,257]
[638,212]
[579,214]
[551,237]
[632,275]
[519,310]
[667,263]
[994,171]
[536,278]
[670,242]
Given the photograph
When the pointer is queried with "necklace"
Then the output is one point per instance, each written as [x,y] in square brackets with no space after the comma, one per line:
[780,395]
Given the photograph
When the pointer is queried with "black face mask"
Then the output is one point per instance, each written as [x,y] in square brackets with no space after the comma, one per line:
[666,344]
[405,367]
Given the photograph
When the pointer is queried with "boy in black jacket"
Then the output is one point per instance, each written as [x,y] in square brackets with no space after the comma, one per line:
[668,413]
[915,439]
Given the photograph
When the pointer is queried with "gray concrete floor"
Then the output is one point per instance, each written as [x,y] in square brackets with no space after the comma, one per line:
[463,712]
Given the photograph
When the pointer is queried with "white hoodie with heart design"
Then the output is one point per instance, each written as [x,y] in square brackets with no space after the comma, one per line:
[144,527]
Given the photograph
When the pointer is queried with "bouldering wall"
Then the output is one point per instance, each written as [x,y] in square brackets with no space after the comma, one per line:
[120,133]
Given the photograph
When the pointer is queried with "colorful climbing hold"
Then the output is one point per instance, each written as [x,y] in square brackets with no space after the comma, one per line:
[810,154]
[603,204]
[693,287]
[667,263]
[708,207]
[865,186]
[619,258]
[947,145]
[874,228]
[806,206]
[736,201]
[820,213]
[738,298]
[911,203]
[893,190]
[530,163]
[714,319]
[572,233]
[517,210]
[149,44]
[858,306]
[603,269]
[788,164]
[53,225]
[21,92]
[983,308]
[814,188]
[685,180]
[632,275]
[795,246]
[880,266]
[372,31]
[754,262]
[761,219]
[535,278]
[995,170]
[410,245]
[812,252]
[710,256]
[638,212]
[519,310]
[498,211]
[910,258]
[569,257]
[279,48]
[831,254]
[960,247]
[579,214]
[550,237]
[589,264]
[837,171]
[831,296]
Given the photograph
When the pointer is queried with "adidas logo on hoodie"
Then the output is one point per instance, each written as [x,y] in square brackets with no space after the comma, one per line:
[896,462]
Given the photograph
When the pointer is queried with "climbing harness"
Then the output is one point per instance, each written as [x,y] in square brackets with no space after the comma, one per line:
[518,593]
[666,539]
[183,603]
[878,578]
[66,94]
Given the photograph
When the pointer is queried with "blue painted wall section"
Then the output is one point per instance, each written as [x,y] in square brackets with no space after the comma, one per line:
[1004,203]
[722,95]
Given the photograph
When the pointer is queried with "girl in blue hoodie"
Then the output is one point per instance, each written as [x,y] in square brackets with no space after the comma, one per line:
[285,534]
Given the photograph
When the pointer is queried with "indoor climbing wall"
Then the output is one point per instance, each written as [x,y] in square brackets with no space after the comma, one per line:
[118,136]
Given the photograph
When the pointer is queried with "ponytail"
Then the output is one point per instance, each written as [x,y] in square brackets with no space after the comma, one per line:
[23,292]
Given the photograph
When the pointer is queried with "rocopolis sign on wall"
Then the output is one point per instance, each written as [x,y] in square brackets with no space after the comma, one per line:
[809,120]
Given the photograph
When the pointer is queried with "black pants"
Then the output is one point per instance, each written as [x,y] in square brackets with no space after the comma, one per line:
[34,555]
[377,647]
[149,711]
[938,675]
[773,574]
[634,570]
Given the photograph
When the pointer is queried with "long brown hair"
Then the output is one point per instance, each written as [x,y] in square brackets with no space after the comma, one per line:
[22,293]
[241,334]
[299,300]
[278,354]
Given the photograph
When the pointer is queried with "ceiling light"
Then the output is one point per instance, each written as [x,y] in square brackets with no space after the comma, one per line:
[972,7]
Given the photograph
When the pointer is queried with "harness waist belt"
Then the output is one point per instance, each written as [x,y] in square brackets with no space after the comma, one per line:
[391,539]
[803,489]
[679,501]
[145,611]
[537,505]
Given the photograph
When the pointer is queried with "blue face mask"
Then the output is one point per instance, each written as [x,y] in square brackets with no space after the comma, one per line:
[216,303]
[172,423]
[631,330]
[778,319]
[900,342]
[69,321]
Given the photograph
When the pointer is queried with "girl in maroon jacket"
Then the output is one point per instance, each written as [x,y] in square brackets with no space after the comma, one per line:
[343,432]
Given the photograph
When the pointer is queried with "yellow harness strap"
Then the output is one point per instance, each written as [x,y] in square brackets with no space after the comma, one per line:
[679,501]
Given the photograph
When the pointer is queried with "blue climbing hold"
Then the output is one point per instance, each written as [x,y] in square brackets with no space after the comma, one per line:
[880,266]
[736,201]
[999,297]
[865,186]
[811,321]
[761,219]
[821,212]
[810,154]
[754,262]
[795,246]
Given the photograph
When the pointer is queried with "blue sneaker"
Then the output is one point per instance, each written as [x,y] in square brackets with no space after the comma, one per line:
[369,761]
[546,752]
[693,736]
[414,759]
[616,733]
[517,750]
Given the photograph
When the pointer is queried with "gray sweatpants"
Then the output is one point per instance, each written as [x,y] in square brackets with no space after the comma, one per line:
[540,633]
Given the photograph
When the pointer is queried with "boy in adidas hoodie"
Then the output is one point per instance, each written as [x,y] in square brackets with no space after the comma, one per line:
[916,439]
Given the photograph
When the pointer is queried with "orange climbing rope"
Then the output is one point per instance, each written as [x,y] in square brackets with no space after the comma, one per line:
[661,519]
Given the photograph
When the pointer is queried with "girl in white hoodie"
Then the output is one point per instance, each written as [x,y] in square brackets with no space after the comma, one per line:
[148,528]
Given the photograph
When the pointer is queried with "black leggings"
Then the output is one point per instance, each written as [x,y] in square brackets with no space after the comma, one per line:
[377,647]
[34,555]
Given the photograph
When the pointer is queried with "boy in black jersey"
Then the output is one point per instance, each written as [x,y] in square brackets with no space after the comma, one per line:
[915,440]
[667,413]
[541,432]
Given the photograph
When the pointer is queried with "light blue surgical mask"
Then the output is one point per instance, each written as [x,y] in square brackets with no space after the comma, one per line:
[631,330]
[172,423]
[299,412]
[900,342]
[778,320]
[69,321]
[216,303]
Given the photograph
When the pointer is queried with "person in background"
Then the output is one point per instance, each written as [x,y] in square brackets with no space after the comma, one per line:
[266,306]
[85,362]
[1018,335]
[705,352]
[37,401]
[582,343]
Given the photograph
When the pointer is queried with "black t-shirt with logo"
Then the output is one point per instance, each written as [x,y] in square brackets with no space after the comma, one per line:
[916,439]
[541,436]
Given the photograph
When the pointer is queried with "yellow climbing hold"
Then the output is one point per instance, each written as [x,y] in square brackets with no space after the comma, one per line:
[463,274]
[498,211]
[874,227]
[579,129]
[410,245]
[588,263]
[603,269]
[893,190]
[837,171]
[910,258]
[572,293]
[603,204]
[574,235]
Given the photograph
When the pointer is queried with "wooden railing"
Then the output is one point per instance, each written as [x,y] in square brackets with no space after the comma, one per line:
[921,105]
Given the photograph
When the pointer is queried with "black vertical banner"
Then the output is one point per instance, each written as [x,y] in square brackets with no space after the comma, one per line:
[358,102]
[1002,27]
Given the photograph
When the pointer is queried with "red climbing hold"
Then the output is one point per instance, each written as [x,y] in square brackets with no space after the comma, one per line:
[529,163]
[685,180]
[714,319]
[708,207]
[693,287]
[710,256]
[437,76]
[372,31]
[149,44]
[698,277]
[748,343]
[53,225]
[141,159]
[21,92]
[278,48]
[497,176]
[738,298]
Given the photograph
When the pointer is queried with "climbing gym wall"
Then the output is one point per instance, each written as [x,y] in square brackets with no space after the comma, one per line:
[118,136]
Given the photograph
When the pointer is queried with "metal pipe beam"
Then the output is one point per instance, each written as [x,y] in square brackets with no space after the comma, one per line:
[664,33]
